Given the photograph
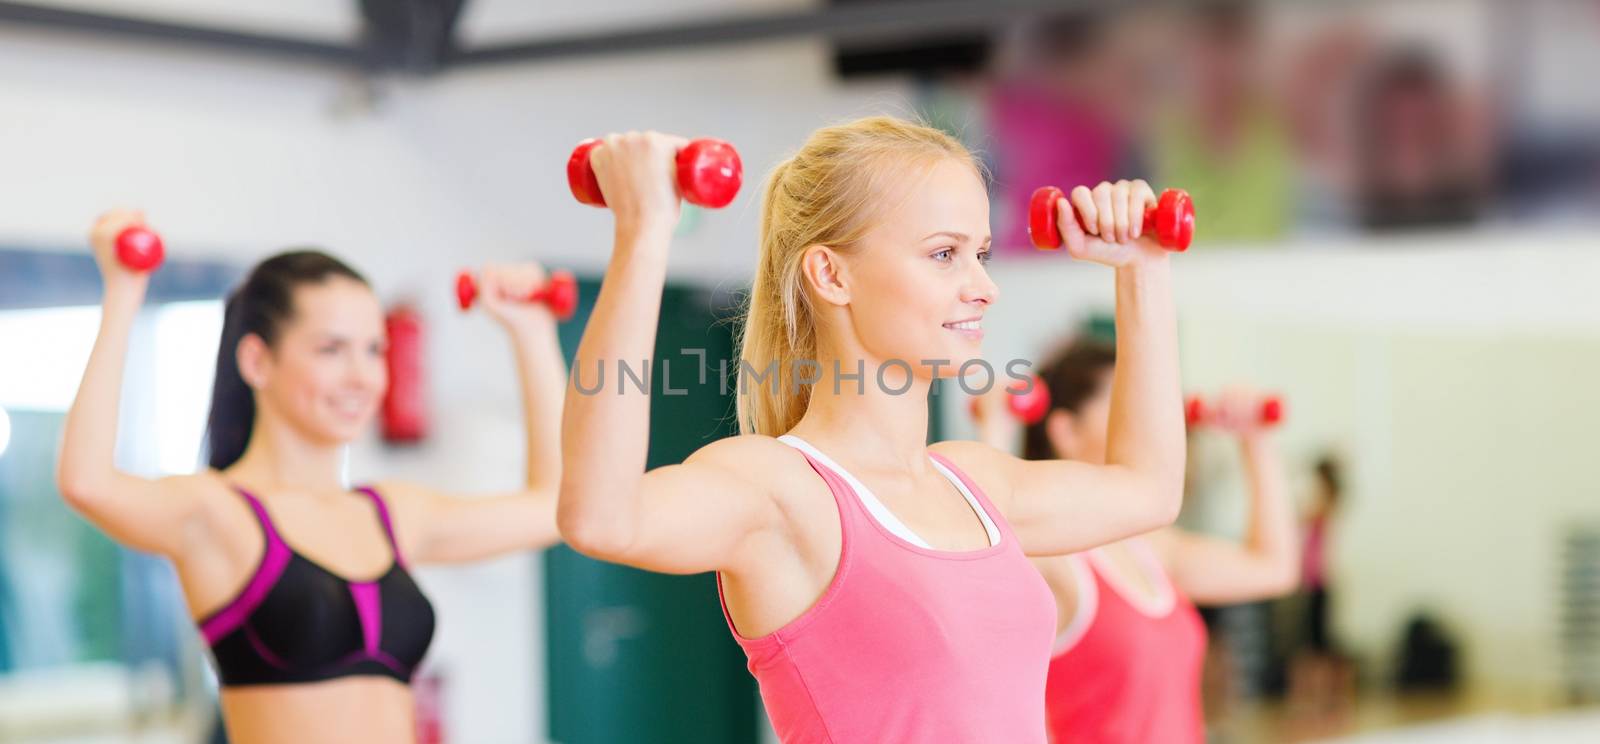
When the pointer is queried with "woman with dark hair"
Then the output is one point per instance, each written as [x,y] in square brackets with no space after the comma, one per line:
[1321,677]
[1127,658]
[299,584]
[1314,561]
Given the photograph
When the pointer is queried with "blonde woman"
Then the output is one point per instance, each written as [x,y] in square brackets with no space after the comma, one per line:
[879,586]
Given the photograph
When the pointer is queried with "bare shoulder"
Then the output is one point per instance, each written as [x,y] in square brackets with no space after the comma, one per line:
[209,489]
[962,451]
[756,463]
[408,503]
[220,515]
[977,458]
[800,520]
[397,492]
[753,457]
[989,467]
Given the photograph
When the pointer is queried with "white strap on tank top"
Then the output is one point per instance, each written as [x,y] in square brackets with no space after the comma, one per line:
[880,512]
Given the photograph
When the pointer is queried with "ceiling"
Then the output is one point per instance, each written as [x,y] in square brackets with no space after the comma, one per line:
[428,36]
[482,21]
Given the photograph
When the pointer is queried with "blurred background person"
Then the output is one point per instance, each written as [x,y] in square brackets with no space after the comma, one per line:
[1423,156]
[1225,134]
[1321,681]
[1126,665]
[1055,115]
[1396,212]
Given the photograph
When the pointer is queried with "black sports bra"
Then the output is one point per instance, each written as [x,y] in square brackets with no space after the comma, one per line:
[299,622]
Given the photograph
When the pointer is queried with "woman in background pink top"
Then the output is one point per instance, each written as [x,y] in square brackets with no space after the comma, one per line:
[1314,561]
[878,585]
[1130,647]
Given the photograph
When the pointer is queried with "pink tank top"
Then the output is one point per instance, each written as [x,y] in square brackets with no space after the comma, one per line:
[1314,555]
[909,644]
[1127,670]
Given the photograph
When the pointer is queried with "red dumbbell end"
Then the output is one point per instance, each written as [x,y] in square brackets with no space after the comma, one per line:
[561,294]
[1272,410]
[1042,227]
[1029,400]
[709,173]
[580,177]
[1174,220]
[140,248]
[466,290]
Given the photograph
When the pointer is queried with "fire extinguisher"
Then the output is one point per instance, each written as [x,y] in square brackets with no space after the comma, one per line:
[405,405]
[428,697]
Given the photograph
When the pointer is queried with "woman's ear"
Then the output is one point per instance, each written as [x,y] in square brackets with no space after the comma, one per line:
[1060,429]
[254,360]
[825,272]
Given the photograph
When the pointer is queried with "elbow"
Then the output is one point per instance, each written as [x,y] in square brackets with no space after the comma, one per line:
[1159,493]
[1275,577]
[1166,503]
[592,538]
[77,489]
[1166,513]
[596,535]
[1287,579]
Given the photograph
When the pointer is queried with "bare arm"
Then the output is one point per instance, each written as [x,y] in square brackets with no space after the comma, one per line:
[445,528]
[1059,506]
[686,518]
[153,516]
[451,528]
[1265,564]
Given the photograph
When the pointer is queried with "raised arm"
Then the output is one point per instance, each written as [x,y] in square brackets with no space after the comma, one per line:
[447,528]
[1266,563]
[148,515]
[693,517]
[1060,506]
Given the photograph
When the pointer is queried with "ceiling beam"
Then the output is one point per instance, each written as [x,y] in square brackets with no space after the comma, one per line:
[419,35]
[838,21]
[130,27]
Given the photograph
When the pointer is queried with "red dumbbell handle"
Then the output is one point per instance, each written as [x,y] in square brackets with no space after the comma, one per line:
[140,248]
[1171,220]
[1198,413]
[560,292]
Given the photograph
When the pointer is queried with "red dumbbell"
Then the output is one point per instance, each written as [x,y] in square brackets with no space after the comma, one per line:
[560,293]
[1027,402]
[1197,412]
[709,173]
[140,248]
[1171,220]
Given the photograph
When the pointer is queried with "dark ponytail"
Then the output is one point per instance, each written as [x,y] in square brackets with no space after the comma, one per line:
[1072,376]
[260,306]
[1330,476]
